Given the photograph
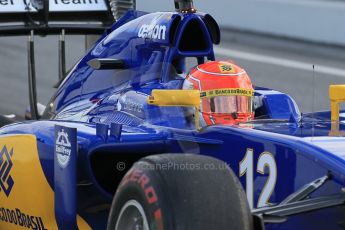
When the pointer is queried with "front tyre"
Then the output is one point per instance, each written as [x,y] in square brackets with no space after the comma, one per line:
[132,216]
[180,192]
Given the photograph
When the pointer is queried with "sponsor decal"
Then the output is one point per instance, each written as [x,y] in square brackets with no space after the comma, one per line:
[6,180]
[17,217]
[131,105]
[63,148]
[152,32]
[226,68]
[227,92]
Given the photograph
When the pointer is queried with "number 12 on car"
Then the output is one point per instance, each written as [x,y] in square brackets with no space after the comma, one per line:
[265,161]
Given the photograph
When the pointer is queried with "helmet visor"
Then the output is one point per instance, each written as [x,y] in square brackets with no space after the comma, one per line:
[226,104]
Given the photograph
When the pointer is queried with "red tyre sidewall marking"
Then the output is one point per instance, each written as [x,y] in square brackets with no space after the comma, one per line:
[139,177]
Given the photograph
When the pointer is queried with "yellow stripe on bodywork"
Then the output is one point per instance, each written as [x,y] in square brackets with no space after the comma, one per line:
[30,202]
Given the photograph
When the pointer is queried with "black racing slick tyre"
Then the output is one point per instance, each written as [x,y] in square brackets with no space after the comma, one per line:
[180,192]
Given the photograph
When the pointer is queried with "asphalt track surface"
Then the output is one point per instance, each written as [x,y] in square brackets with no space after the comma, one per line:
[277,63]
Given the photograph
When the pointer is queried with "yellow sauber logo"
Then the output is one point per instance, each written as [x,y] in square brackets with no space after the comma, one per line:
[27,202]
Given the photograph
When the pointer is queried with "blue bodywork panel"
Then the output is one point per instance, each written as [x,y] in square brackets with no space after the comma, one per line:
[114,122]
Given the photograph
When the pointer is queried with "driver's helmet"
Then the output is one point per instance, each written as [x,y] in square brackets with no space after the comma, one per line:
[226,92]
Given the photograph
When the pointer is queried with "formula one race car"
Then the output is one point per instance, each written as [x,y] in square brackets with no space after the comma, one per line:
[137,137]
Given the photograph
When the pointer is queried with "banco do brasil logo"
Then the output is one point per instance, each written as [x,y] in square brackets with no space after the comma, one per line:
[6,181]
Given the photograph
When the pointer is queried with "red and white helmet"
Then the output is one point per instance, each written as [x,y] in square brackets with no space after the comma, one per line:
[226,92]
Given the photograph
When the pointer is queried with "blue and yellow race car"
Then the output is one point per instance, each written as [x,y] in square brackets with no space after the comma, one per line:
[148,131]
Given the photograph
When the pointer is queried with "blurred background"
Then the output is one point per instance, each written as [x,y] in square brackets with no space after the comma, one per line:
[277,41]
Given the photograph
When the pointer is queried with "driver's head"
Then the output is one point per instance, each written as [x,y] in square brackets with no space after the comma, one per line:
[226,92]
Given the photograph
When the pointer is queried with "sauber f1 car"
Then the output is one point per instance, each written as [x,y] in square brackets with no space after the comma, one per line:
[132,140]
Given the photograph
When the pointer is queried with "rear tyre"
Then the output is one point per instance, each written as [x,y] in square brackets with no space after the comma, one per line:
[180,192]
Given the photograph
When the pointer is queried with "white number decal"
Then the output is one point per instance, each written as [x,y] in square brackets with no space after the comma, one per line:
[266,160]
[246,167]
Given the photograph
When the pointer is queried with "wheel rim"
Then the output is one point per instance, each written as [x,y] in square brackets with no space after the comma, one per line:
[132,216]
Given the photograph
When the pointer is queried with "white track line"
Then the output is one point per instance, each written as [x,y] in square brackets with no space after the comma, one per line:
[279,61]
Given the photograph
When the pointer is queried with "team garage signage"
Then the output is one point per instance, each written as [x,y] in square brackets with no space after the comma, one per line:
[18,6]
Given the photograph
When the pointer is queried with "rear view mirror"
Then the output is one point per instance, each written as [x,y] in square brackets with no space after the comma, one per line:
[185,98]
[336,96]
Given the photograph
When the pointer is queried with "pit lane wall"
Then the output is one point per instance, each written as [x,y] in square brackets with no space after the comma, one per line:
[310,20]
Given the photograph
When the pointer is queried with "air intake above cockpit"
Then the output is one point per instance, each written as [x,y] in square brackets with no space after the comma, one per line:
[193,38]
